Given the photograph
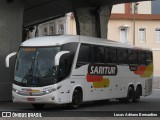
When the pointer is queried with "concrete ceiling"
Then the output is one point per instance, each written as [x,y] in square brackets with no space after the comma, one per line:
[37,11]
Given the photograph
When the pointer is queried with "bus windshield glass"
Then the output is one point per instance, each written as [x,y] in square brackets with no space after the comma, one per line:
[35,66]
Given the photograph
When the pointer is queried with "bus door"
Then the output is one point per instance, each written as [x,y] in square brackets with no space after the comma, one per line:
[64,91]
[64,79]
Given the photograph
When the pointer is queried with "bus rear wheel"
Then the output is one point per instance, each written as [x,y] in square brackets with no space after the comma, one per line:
[38,106]
[137,95]
[76,99]
[130,95]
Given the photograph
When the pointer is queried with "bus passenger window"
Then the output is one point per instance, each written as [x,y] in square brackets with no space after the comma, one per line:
[149,58]
[84,56]
[110,55]
[98,54]
[122,56]
[132,57]
[141,58]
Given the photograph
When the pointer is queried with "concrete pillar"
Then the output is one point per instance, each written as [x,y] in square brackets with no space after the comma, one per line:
[103,16]
[85,21]
[11,24]
[92,21]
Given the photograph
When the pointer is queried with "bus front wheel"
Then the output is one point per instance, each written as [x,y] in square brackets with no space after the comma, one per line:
[76,99]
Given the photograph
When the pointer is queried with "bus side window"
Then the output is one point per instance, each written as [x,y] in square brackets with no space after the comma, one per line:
[110,55]
[149,57]
[98,54]
[141,58]
[84,56]
[132,57]
[122,56]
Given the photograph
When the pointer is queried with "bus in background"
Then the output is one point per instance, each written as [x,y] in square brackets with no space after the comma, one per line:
[70,70]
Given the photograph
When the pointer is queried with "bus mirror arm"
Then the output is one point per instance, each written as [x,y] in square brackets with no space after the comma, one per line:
[58,56]
[8,57]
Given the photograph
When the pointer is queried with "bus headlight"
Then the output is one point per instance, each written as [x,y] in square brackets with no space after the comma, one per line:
[52,90]
[49,91]
[16,91]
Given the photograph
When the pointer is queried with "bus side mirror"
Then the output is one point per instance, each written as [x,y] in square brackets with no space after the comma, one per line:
[58,57]
[8,57]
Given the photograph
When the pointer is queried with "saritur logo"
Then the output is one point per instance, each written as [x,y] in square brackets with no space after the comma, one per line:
[102,69]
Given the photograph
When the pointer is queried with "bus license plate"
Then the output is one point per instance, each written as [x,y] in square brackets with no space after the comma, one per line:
[30,99]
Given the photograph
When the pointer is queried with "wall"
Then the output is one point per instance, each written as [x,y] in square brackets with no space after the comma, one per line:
[11,18]
[156,54]
[69,26]
[144,7]
[119,8]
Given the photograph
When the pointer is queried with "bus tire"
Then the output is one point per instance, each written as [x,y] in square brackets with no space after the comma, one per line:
[38,106]
[130,95]
[137,95]
[76,99]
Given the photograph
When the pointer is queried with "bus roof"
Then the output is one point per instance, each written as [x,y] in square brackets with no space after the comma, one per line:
[63,39]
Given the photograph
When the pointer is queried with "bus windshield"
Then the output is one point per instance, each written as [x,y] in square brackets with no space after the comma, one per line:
[35,66]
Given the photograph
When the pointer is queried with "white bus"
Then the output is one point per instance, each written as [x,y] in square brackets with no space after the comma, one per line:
[70,70]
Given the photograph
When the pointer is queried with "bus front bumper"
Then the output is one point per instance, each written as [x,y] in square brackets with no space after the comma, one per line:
[48,98]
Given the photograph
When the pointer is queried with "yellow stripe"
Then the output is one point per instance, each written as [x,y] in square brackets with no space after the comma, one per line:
[35,91]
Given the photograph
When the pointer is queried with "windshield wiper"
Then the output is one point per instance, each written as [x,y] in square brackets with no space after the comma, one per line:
[29,73]
[37,72]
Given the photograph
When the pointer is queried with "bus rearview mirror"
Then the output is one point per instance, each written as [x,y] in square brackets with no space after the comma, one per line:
[58,56]
[8,57]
